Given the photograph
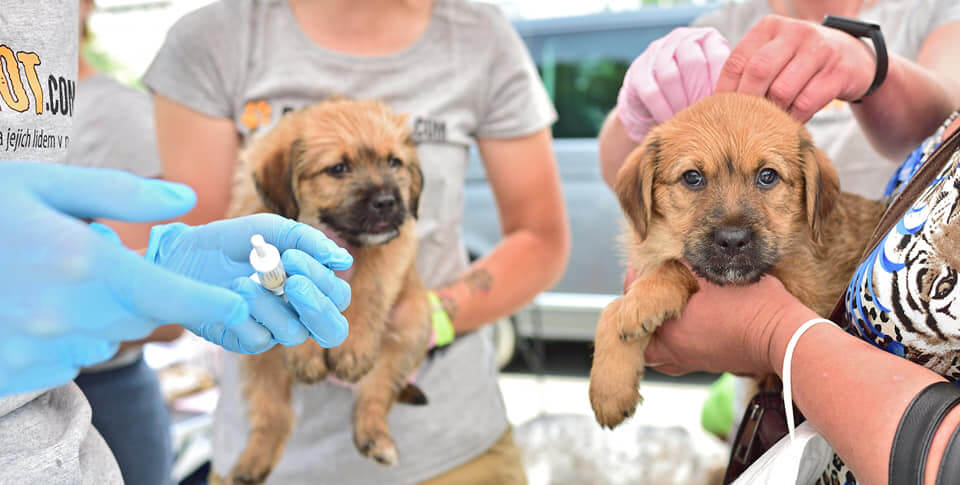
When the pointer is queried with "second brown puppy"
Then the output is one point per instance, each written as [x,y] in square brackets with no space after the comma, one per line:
[734,186]
[351,169]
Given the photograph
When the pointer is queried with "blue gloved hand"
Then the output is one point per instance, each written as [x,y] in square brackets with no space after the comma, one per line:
[68,295]
[218,253]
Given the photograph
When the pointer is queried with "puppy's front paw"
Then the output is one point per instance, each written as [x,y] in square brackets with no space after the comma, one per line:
[617,368]
[353,359]
[251,469]
[375,442]
[614,398]
[638,318]
[307,362]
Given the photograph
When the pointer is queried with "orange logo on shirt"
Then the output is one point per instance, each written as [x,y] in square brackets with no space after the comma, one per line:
[255,114]
[13,93]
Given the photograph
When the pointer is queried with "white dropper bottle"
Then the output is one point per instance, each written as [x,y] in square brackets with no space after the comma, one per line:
[265,259]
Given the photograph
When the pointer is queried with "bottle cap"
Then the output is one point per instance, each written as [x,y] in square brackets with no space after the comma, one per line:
[264,257]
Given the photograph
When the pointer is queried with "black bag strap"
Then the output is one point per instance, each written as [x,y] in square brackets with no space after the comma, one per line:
[950,463]
[911,443]
[902,202]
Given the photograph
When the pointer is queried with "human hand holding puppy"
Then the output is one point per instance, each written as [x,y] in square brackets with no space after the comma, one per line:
[743,322]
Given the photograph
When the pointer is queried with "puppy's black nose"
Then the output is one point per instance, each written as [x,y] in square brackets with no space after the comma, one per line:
[732,240]
[383,201]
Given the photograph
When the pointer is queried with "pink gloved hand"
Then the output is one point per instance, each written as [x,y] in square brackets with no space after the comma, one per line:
[674,72]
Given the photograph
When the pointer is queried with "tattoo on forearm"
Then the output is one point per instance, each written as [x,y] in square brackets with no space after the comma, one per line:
[449,305]
[479,281]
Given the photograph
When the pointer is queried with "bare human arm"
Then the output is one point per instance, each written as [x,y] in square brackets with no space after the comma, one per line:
[613,146]
[916,97]
[871,379]
[536,235]
[199,151]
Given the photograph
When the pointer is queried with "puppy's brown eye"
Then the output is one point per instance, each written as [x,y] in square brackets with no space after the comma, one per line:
[693,179]
[394,162]
[767,178]
[338,170]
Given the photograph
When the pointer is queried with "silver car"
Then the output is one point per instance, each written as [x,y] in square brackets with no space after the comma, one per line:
[582,61]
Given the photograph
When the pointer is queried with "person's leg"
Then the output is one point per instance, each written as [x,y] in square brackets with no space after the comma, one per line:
[502,464]
[129,412]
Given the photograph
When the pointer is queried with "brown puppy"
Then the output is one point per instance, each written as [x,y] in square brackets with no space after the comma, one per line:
[351,169]
[734,186]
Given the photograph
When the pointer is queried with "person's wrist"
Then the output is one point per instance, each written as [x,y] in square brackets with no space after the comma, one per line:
[863,87]
[784,323]
[443,331]
[860,31]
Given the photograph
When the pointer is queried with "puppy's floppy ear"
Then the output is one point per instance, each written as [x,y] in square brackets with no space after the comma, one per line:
[412,166]
[821,185]
[634,184]
[416,187]
[272,162]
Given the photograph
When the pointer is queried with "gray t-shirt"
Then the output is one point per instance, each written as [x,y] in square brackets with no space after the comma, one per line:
[905,24]
[37,89]
[468,76]
[45,436]
[114,128]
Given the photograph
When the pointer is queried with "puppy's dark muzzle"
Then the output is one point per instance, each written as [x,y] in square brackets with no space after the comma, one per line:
[383,202]
[730,255]
[732,241]
[383,209]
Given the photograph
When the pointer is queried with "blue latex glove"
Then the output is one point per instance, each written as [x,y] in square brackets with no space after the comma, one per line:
[218,253]
[68,295]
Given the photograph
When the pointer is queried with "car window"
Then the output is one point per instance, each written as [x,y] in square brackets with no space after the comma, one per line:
[583,71]
[582,62]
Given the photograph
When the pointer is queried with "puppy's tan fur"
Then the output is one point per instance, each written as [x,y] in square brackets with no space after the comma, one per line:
[812,234]
[389,311]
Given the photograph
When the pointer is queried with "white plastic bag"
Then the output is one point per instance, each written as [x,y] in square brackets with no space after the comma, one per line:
[800,457]
[799,461]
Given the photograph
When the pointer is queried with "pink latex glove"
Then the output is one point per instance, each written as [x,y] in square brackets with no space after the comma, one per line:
[674,72]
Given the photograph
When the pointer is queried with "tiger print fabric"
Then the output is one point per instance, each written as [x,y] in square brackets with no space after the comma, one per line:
[904,297]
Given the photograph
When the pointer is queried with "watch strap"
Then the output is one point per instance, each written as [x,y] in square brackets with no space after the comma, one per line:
[864,30]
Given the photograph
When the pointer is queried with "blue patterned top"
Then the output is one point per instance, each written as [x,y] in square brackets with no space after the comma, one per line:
[903,298]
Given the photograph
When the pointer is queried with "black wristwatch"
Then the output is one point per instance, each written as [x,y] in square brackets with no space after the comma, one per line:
[865,30]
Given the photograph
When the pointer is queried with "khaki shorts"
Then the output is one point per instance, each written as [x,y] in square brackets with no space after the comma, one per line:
[502,464]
